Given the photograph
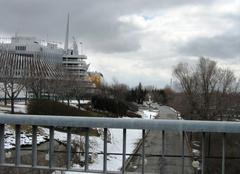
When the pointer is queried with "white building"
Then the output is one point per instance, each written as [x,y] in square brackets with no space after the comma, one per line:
[30,47]
[74,62]
[49,53]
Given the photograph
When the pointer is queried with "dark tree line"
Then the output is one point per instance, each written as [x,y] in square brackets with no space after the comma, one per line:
[117,107]
[161,96]
[137,94]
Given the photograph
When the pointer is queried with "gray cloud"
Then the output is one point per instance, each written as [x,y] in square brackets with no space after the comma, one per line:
[152,52]
[94,22]
[226,45]
[223,46]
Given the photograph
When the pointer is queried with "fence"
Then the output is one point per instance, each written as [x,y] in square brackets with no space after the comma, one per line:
[51,122]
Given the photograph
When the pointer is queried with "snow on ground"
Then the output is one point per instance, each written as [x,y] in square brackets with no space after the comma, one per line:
[19,107]
[114,144]
[147,114]
[5,109]
[26,138]
[9,137]
[75,102]
[178,113]
[196,152]
[114,162]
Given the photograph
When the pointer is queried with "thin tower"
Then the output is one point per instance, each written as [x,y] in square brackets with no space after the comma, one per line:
[67,36]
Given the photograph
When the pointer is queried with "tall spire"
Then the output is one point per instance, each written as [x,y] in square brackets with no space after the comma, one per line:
[75,47]
[67,36]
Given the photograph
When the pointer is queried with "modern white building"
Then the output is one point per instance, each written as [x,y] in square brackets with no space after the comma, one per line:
[48,53]
[74,62]
[31,47]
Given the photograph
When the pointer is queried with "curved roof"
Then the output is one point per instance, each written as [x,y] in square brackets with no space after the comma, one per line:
[25,66]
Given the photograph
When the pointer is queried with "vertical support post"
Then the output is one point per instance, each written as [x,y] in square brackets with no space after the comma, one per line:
[143,151]
[68,148]
[34,146]
[203,152]
[86,148]
[223,152]
[183,141]
[51,146]
[124,151]
[163,143]
[2,152]
[17,143]
[105,151]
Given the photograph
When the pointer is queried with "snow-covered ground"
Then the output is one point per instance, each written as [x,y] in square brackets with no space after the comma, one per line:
[19,107]
[114,162]
[26,138]
[114,144]
[147,114]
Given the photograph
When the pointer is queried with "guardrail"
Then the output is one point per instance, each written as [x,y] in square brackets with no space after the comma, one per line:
[163,126]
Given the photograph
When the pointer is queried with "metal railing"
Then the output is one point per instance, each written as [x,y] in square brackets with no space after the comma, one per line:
[163,126]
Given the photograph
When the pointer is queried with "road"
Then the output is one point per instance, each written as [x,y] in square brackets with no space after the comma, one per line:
[153,146]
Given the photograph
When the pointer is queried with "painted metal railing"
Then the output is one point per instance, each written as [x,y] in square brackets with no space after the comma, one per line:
[163,126]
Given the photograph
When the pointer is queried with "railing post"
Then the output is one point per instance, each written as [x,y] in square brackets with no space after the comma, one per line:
[2,151]
[163,143]
[223,152]
[86,148]
[68,148]
[183,139]
[124,151]
[17,144]
[34,146]
[203,152]
[105,151]
[51,146]
[143,151]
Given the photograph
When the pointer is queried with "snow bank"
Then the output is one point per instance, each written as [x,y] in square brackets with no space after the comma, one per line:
[26,138]
[114,162]
[146,114]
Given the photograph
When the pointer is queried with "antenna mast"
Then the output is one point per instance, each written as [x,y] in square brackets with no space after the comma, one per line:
[67,36]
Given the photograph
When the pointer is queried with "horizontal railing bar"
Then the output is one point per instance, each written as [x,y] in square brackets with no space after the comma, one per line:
[147,155]
[122,123]
[57,168]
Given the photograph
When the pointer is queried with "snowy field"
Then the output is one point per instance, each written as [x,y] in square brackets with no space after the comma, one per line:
[114,145]
[19,107]
[114,162]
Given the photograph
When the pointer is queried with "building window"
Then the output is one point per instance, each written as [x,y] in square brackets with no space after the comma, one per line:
[20,48]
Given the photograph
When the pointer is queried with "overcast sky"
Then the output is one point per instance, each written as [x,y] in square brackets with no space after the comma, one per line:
[134,40]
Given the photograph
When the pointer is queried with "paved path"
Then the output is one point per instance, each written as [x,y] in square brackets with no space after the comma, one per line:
[153,145]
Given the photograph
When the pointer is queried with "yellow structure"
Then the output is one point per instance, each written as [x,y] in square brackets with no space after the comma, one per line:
[96,78]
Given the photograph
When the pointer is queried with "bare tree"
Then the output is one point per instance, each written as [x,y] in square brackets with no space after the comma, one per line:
[78,90]
[12,77]
[207,88]
[188,83]
[119,90]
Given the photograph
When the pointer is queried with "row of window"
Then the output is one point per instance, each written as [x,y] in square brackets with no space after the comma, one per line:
[20,48]
[70,58]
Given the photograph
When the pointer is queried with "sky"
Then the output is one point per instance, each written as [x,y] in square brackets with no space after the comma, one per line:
[134,40]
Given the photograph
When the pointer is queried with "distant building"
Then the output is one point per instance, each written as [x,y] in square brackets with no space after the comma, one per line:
[72,61]
[31,47]
[96,78]
[26,51]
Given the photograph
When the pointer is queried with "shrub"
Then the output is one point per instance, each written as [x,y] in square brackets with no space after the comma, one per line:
[111,105]
[49,107]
